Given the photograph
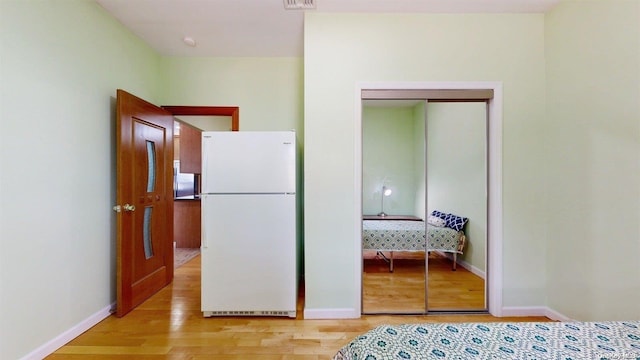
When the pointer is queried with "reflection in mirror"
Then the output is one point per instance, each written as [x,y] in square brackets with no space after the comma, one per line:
[393,206]
[436,166]
[457,202]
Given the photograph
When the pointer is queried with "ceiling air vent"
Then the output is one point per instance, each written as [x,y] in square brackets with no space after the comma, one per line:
[299,4]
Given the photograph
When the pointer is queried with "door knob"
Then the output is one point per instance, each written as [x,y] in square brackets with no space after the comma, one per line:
[128,207]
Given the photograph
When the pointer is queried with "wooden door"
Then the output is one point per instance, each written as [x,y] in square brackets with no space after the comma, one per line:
[144,194]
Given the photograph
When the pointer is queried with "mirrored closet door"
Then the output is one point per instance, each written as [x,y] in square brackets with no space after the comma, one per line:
[393,276]
[424,201]
[456,181]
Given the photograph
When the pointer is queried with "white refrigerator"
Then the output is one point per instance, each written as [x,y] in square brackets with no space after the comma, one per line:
[249,252]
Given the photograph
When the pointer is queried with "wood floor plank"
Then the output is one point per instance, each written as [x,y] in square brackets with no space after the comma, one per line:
[170,326]
[403,290]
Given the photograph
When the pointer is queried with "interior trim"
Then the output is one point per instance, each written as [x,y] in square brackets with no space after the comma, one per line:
[535,311]
[65,337]
[433,95]
[233,111]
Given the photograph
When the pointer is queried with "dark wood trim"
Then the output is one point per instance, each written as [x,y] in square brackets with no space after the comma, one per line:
[233,111]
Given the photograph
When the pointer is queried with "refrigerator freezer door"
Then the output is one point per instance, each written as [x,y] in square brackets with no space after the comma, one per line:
[249,255]
[248,162]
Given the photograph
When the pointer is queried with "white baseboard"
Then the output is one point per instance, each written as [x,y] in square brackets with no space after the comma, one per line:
[331,314]
[523,311]
[508,311]
[465,265]
[555,315]
[534,311]
[472,269]
[62,339]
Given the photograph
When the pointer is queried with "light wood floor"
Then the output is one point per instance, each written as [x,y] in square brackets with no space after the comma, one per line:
[170,326]
[403,290]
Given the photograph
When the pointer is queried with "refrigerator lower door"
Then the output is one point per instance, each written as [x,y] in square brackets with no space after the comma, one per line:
[249,255]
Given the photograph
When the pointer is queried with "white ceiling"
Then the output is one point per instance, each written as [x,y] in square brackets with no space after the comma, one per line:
[263,27]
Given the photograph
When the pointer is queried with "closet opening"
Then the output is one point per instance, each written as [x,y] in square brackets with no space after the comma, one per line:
[429,218]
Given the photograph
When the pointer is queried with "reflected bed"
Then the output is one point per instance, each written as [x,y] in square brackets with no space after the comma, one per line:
[409,235]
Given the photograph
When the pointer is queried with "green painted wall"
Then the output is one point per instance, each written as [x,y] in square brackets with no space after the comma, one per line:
[342,50]
[420,158]
[592,151]
[267,90]
[456,170]
[571,199]
[571,145]
[388,159]
[62,62]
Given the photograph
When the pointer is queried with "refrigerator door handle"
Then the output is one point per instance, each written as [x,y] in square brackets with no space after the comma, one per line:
[203,228]
[205,244]
[204,186]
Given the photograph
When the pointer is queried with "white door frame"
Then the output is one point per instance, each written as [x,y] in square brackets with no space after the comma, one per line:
[493,254]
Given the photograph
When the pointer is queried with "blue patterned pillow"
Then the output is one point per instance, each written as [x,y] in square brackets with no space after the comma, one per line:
[439,214]
[455,222]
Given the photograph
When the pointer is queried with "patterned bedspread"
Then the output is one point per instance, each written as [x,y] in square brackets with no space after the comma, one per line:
[542,340]
[407,235]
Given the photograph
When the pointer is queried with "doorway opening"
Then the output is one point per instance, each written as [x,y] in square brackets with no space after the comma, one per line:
[189,122]
[144,181]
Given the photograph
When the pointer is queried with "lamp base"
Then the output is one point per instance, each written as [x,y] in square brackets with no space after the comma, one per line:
[382,214]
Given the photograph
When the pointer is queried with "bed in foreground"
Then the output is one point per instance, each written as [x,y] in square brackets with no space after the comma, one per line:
[526,340]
